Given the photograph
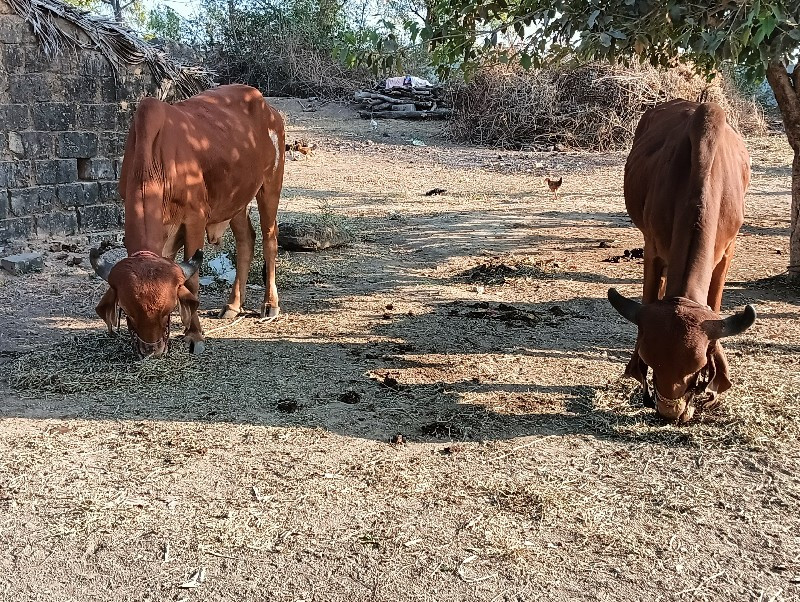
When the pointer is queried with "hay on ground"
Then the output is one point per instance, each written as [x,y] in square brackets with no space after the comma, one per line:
[93,363]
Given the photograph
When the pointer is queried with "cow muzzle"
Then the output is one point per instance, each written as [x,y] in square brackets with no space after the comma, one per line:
[679,411]
[682,409]
[147,349]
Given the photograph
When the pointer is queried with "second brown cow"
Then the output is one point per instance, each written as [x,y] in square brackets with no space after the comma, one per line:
[685,182]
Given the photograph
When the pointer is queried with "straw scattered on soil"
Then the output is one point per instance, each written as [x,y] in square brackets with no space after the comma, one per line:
[91,363]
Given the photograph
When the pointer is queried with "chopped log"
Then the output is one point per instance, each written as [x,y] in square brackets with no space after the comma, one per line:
[437,114]
[403,103]
[374,96]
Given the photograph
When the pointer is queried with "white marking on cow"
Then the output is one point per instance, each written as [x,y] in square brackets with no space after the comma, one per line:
[274,137]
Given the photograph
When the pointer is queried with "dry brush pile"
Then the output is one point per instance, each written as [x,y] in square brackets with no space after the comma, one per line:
[594,106]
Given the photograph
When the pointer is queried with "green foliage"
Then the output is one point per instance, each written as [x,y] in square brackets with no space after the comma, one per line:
[378,48]
[706,32]
[130,12]
[164,23]
[282,46]
[91,6]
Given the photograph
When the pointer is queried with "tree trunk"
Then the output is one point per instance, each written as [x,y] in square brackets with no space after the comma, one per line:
[794,248]
[430,23]
[787,92]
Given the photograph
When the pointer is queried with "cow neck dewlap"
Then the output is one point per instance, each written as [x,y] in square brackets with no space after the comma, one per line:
[692,260]
[144,218]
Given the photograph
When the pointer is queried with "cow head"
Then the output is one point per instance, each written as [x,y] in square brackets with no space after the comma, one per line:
[147,287]
[679,339]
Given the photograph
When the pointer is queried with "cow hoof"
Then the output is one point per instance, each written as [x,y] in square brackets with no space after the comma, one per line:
[269,313]
[197,347]
[228,313]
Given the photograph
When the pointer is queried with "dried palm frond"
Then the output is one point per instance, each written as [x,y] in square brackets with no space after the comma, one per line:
[59,26]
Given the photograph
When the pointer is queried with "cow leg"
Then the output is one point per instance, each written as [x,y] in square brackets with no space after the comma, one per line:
[193,332]
[653,276]
[245,243]
[652,290]
[718,279]
[268,197]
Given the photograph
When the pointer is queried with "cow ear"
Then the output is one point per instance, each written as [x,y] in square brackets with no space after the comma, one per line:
[107,309]
[718,375]
[637,369]
[187,304]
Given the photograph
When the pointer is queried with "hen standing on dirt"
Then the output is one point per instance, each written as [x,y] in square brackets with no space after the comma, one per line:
[554,185]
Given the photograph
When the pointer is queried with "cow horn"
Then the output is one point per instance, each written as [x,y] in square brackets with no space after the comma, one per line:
[627,308]
[101,266]
[733,325]
[190,267]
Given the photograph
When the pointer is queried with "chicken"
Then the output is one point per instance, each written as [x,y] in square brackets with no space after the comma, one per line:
[554,185]
[302,147]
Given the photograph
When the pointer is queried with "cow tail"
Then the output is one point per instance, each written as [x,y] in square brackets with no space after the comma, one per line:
[143,173]
[708,123]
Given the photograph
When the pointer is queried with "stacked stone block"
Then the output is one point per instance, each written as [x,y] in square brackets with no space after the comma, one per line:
[63,125]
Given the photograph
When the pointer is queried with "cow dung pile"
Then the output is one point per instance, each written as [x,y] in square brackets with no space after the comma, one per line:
[595,106]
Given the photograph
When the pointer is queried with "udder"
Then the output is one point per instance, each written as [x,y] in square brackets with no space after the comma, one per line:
[214,232]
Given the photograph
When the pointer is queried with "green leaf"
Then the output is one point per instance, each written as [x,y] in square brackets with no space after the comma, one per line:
[605,39]
[759,37]
[744,37]
[676,12]
[769,25]
[592,17]
[526,60]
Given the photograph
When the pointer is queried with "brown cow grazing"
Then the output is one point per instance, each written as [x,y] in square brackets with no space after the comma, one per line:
[685,181]
[191,169]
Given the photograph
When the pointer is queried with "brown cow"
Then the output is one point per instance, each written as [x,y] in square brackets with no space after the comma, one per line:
[189,170]
[685,181]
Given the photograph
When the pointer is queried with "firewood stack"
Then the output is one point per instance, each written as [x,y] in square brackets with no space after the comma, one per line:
[406,102]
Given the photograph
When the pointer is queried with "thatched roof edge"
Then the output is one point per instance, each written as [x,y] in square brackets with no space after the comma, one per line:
[116,42]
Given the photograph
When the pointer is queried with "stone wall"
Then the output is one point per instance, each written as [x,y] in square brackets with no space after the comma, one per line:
[63,125]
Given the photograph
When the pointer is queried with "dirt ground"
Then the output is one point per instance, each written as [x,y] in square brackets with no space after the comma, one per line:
[475,325]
